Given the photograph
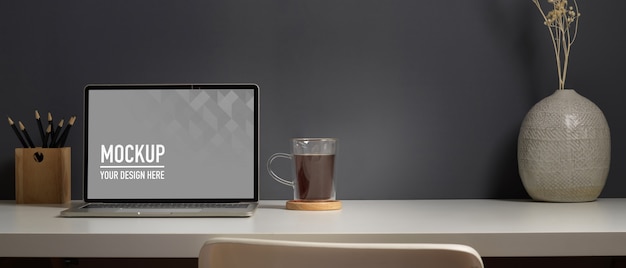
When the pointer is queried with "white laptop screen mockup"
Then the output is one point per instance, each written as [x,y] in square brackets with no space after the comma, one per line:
[171,142]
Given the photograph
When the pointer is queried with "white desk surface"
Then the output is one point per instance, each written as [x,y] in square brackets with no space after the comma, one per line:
[494,227]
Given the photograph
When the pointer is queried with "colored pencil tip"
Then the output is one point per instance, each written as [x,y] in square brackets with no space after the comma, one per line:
[22,127]
[10,121]
[72,119]
[37,115]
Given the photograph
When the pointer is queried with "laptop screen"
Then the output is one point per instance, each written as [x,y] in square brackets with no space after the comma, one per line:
[171,142]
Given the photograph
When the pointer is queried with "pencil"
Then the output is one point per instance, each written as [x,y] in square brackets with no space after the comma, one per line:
[45,138]
[17,132]
[23,128]
[66,132]
[40,127]
[54,134]
[50,121]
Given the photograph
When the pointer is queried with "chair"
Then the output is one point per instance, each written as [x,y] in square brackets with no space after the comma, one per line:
[260,253]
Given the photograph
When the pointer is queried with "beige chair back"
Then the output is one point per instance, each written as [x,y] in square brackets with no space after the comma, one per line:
[261,253]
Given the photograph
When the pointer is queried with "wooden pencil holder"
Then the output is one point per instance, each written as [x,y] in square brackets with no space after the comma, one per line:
[43,175]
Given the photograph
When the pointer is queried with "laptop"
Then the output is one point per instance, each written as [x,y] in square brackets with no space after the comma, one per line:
[172,150]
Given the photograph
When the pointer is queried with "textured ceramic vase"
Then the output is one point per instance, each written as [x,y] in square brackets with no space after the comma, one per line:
[564,149]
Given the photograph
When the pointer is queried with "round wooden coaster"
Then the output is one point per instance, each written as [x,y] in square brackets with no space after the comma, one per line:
[314,205]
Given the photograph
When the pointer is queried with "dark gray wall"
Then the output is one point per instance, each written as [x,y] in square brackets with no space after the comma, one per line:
[426,97]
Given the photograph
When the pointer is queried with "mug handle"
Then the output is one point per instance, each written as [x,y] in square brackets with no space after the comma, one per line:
[269,169]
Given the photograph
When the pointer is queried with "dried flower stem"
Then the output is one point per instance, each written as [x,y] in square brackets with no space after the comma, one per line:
[559,21]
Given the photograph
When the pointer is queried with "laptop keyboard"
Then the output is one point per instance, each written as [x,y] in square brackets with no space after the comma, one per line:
[167,205]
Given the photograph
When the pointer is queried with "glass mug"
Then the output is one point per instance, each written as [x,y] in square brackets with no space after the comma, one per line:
[313,166]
